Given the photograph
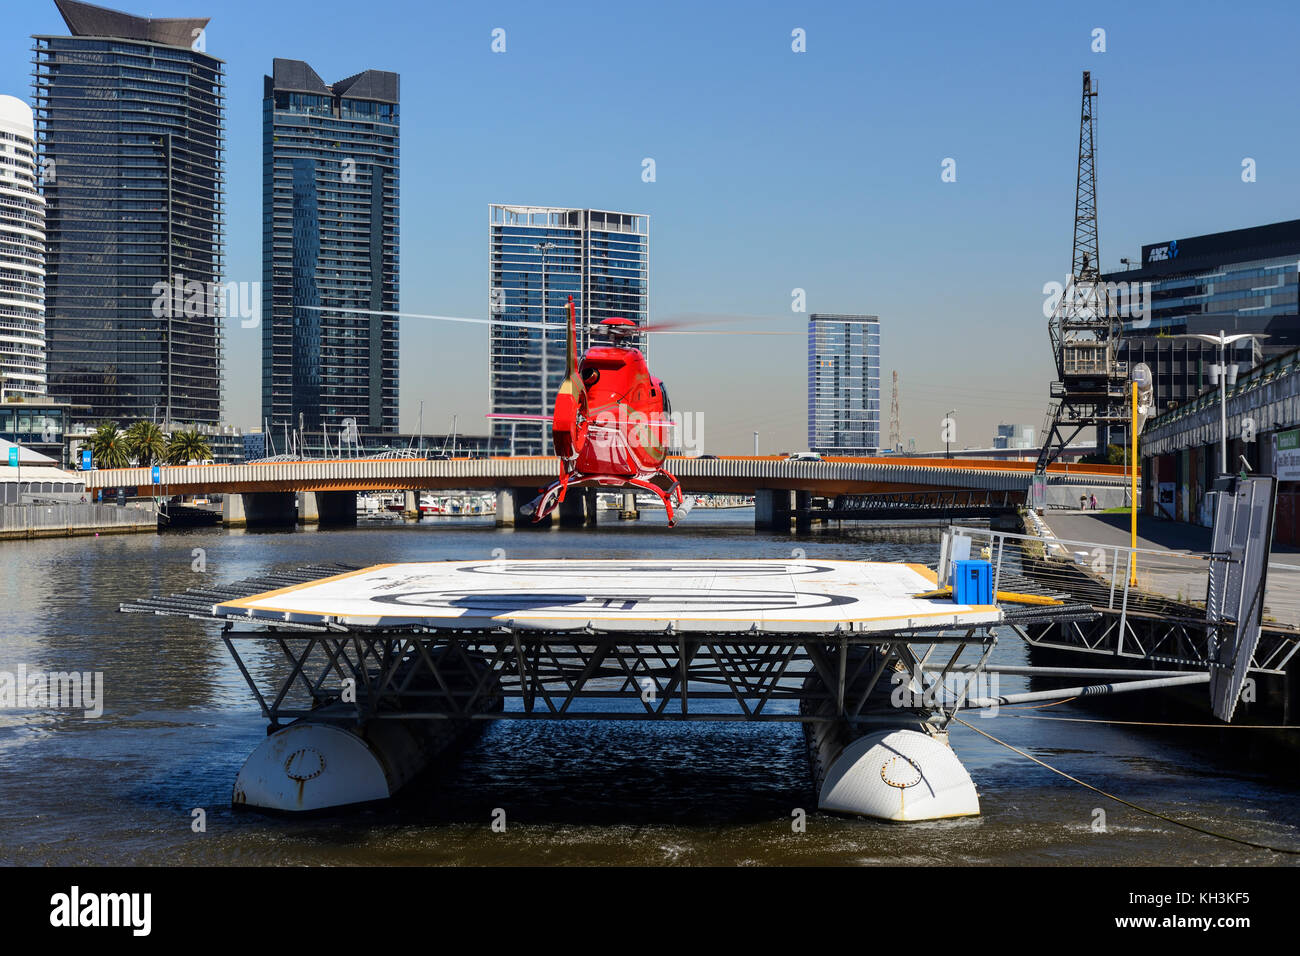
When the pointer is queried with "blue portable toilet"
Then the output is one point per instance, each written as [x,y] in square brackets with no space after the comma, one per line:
[972,582]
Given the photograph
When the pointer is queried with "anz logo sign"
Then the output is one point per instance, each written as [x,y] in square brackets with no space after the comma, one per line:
[1163,253]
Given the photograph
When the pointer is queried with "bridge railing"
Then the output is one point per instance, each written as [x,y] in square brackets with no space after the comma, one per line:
[945,501]
[762,472]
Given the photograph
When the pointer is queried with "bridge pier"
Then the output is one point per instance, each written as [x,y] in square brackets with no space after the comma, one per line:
[573,509]
[578,509]
[327,507]
[772,509]
[410,504]
[505,516]
[510,500]
[259,508]
[232,511]
[629,512]
[802,511]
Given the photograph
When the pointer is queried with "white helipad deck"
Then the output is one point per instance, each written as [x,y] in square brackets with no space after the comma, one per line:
[616,595]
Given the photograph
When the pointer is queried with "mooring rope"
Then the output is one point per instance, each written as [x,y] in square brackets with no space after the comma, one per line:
[1151,723]
[1128,803]
[1053,703]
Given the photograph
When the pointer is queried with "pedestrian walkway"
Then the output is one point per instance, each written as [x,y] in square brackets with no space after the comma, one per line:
[1175,576]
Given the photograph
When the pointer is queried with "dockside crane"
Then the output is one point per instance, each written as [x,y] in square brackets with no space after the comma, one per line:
[1085,329]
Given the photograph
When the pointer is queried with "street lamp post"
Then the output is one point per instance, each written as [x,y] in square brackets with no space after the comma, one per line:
[947,433]
[1141,395]
[1221,373]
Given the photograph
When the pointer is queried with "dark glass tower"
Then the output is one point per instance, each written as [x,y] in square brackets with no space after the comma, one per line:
[329,244]
[129,115]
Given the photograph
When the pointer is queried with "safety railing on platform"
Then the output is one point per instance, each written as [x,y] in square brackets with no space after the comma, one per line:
[1114,577]
[1121,578]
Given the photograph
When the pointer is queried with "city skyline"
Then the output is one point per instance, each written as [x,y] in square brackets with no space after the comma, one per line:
[863,220]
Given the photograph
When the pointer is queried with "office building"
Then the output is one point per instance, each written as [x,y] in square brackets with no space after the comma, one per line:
[1183,458]
[22,257]
[129,123]
[1240,281]
[254,445]
[844,384]
[544,254]
[329,253]
[1015,436]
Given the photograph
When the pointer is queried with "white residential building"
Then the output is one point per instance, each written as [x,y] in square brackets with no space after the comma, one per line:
[22,256]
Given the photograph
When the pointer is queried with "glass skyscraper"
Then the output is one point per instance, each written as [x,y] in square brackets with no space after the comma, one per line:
[129,115]
[844,384]
[22,256]
[544,254]
[329,242]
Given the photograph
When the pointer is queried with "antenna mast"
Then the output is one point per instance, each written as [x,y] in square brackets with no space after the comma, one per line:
[895,432]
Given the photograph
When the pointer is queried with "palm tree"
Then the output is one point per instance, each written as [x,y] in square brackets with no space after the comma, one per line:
[145,443]
[187,445]
[108,446]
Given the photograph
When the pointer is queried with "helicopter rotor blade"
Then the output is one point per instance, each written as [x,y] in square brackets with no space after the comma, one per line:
[422,315]
[674,327]
[501,416]
[655,330]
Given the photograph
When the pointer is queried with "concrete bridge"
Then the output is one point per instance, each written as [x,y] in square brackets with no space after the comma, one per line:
[325,490]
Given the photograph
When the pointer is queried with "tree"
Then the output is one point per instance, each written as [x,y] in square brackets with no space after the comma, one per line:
[108,446]
[145,443]
[1115,455]
[187,445]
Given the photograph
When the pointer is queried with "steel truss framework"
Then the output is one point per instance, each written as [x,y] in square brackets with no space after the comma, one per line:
[423,675]
[969,503]
[1151,637]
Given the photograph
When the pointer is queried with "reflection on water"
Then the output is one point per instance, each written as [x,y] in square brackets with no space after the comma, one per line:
[179,721]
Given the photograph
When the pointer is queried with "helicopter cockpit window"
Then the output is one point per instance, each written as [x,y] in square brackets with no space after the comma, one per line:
[668,406]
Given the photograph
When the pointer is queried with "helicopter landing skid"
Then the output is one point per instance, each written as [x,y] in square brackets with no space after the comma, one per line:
[554,493]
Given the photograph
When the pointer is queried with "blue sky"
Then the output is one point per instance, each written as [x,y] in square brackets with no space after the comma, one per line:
[777,170]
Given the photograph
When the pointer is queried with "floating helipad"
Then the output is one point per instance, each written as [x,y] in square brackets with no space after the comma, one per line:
[613,595]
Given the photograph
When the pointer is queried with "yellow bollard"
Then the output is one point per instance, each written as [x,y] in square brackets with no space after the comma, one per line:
[1133,495]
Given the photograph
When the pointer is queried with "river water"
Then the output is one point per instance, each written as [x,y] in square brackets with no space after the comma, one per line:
[178,722]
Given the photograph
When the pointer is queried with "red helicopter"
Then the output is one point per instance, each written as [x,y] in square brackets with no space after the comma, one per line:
[610,424]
